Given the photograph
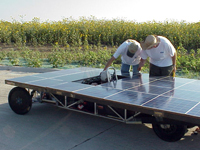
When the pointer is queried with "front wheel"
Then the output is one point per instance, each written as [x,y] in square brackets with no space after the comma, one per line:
[20,100]
[169,132]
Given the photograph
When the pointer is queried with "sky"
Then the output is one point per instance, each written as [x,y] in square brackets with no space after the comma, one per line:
[130,10]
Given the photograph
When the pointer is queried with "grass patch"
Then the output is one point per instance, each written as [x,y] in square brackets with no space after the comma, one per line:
[73,57]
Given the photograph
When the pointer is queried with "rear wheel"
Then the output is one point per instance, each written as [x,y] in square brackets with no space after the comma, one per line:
[169,132]
[20,100]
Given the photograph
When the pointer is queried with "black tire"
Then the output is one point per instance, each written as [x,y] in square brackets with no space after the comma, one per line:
[169,132]
[20,100]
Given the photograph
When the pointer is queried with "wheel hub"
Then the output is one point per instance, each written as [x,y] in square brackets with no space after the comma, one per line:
[19,100]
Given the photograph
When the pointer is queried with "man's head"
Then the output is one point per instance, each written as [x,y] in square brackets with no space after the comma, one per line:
[132,48]
[150,42]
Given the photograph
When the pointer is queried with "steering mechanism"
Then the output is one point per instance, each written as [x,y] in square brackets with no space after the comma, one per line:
[106,76]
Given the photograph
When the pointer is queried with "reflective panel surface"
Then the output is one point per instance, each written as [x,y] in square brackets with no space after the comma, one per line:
[177,95]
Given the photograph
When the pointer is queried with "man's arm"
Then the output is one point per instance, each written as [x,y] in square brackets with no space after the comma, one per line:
[109,63]
[141,64]
[174,62]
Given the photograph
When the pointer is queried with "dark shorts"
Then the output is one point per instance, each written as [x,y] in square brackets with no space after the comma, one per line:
[160,71]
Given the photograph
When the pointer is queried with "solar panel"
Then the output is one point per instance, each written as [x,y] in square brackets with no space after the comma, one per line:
[180,96]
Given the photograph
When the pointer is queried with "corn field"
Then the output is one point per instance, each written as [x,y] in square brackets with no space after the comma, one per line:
[91,42]
[96,32]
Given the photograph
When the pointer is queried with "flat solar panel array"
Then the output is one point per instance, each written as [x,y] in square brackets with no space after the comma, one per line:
[180,96]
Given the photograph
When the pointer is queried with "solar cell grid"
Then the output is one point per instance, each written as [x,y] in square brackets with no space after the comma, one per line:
[161,93]
[151,89]
[191,86]
[162,83]
[47,74]
[70,86]
[194,111]
[171,104]
[184,94]
[121,84]
[45,82]
[130,97]
[68,76]
[98,92]
[71,77]
[26,79]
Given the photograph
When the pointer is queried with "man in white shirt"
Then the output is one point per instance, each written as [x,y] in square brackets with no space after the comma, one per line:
[130,56]
[162,56]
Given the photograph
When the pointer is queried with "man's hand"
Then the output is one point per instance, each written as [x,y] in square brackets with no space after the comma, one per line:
[141,64]
[174,71]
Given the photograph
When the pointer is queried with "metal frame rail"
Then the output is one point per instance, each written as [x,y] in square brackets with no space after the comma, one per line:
[121,118]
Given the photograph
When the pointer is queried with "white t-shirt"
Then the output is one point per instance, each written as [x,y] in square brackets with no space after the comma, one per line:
[122,50]
[160,56]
